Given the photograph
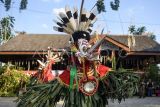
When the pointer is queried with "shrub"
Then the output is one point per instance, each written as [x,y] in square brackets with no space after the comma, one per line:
[11,80]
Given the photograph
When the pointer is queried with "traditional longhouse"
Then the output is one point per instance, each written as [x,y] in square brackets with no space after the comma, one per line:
[24,49]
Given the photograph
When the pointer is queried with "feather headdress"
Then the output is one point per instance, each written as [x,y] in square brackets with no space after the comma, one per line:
[73,23]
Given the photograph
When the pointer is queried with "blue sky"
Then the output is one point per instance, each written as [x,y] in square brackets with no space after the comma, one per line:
[38,18]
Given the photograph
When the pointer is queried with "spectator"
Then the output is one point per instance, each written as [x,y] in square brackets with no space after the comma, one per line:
[158,91]
[142,89]
[149,88]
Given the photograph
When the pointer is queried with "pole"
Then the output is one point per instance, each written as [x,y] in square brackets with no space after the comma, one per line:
[82,3]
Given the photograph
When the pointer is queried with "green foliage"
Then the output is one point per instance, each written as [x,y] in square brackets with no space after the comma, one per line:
[2,1]
[132,29]
[137,31]
[152,36]
[100,6]
[122,84]
[47,95]
[115,5]
[6,26]
[11,80]
[23,4]
[140,30]
[116,85]
[153,73]
[7,4]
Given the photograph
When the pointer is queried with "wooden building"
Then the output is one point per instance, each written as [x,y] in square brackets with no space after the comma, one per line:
[24,49]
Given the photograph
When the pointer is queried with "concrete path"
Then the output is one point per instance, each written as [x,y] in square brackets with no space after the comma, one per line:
[131,102]
[137,102]
[7,102]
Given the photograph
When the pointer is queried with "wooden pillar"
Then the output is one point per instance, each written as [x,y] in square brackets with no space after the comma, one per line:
[28,65]
[113,60]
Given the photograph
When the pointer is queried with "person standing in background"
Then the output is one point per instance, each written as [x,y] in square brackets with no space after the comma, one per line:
[142,89]
[149,88]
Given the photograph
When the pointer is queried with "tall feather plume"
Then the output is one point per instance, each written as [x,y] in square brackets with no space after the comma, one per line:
[66,21]
[70,17]
[61,25]
[87,15]
[83,20]
[91,18]
[75,15]
[60,29]
[60,20]
[89,30]
[69,23]
[64,18]
[87,18]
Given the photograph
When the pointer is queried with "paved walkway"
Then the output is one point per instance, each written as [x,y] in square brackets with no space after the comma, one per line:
[7,102]
[137,102]
[131,102]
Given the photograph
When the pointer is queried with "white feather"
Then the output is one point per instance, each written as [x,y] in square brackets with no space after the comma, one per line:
[72,21]
[69,27]
[82,24]
[75,10]
[41,63]
[95,12]
[55,56]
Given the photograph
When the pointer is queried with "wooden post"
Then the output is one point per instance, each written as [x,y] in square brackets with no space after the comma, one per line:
[28,65]
[82,3]
[113,60]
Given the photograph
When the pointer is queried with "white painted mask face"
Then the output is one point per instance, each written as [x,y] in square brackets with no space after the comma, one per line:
[83,46]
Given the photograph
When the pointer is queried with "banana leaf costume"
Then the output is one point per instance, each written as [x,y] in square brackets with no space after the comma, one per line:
[85,82]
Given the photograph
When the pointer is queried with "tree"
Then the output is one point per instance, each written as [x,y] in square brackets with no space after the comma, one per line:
[152,35]
[137,31]
[7,4]
[153,73]
[141,30]
[101,6]
[115,4]
[7,23]
[6,26]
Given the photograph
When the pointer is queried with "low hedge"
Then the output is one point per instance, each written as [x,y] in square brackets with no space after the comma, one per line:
[11,81]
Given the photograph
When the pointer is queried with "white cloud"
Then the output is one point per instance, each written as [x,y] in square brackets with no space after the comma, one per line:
[45,26]
[57,10]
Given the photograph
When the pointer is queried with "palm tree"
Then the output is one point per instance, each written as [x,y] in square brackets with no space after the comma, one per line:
[7,23]
[138,31]
[141,30]
[7,4]
[6,26]
[101,7]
